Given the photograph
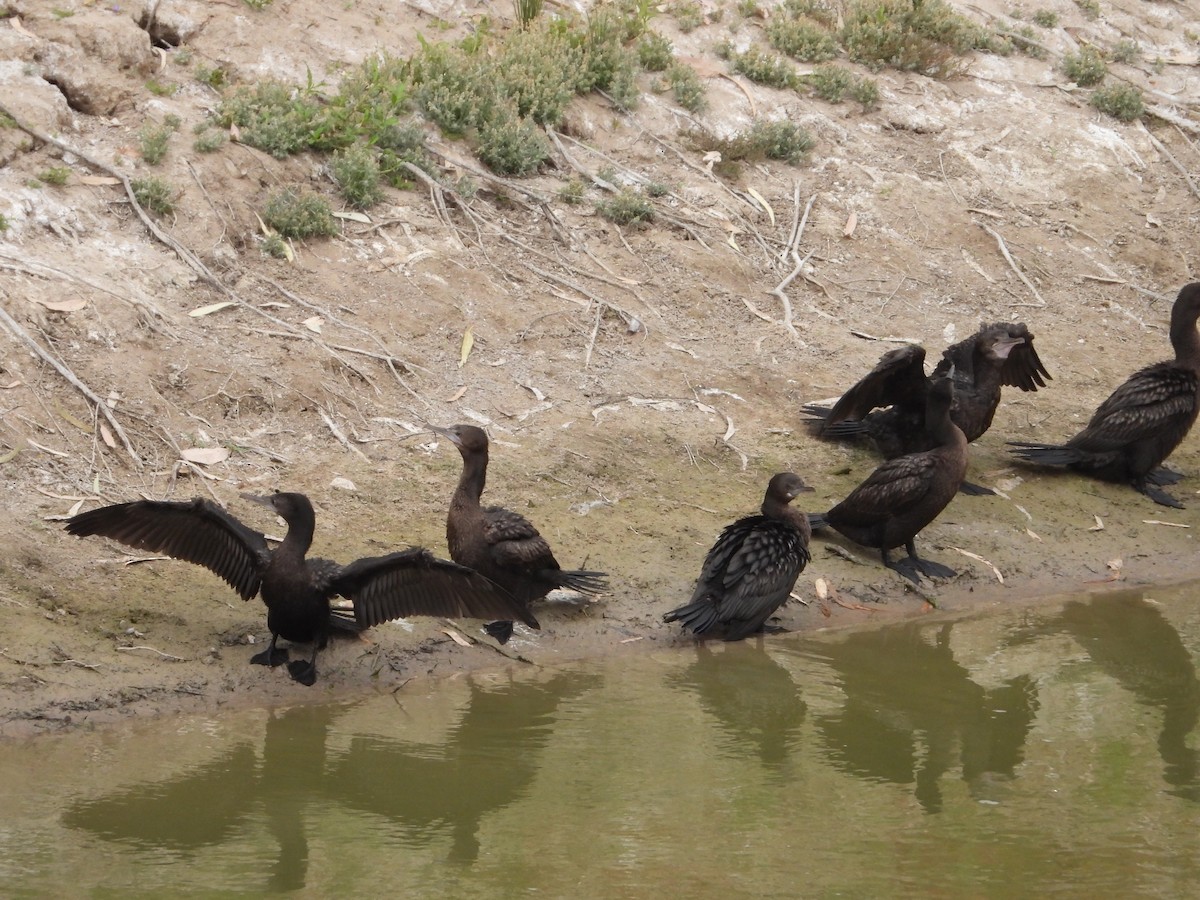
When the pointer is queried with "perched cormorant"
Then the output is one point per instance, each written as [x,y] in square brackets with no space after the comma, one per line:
[499,543]
[995,355]
[1143,420]
[296,590]
[750,570]
[905,494]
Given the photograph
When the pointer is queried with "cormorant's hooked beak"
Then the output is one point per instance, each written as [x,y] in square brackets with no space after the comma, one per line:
[267,500]
[447,434]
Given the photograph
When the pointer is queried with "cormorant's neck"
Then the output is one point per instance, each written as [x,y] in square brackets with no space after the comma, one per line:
[1184,337]
[942,429]
[473,478]
[774,508]
[299,535]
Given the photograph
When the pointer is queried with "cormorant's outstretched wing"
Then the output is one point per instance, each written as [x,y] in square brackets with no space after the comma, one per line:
[897,379]
[1154,400]
[197,531]
[414,582]
[1023,369]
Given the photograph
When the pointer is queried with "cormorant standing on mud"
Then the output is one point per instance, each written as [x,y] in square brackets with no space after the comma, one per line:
[1143,420]
[905,494]
[499,543]
[750,570]
[296,590]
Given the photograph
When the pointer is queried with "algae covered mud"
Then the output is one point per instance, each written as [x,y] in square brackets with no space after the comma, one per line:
[1047,750]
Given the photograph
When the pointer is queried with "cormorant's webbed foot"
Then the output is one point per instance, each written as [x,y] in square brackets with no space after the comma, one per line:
[773,629]
[1162,476]
[303,671]
[931,569]
[975,490]
[1161,497]
[501,631]
[906,567]
[272,656]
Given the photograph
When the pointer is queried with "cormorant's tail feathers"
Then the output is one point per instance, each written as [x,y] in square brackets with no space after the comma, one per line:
[591,583]
[697,617]
[817,520]
[1045,454]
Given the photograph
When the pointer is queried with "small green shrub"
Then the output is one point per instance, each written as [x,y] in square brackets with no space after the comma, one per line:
[154,195]
[299,214]
[356,171]
[215,77]
[572,192]
[688,16]
[1046,18]
[925,36]
[209,139]
[654,52]
[274,245]
[1121,101]
[801,38]
[153,139]
[4,226]
[510,145]
[781,140]
[273,116]
[161,88]
[687,87]
[823,11]
[763,68]
[833,83]
[1086,67]
[627,207]
[1126,51]
[1089,8]
[257,4]
[55,175]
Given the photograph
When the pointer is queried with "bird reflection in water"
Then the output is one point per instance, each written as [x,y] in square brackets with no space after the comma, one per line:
[1131,641]
[912,713]
[488,760]
[753,698]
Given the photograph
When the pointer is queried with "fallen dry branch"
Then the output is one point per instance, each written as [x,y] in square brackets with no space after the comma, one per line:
[17,331]
[1161,148]
[1011,262]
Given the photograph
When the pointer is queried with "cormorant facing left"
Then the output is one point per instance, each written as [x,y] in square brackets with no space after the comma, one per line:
[1143,420]
[296,590]
[905,494]
[499,543]
[751,569]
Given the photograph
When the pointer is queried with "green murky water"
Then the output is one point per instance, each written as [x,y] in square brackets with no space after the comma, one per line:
[1050,751]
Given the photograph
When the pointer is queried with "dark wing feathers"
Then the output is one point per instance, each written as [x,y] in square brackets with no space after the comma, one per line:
[416,583]
[886,491]
[1152,400]
[898,377]
[515,543]
[747,575]
[1023,369]
[196,531]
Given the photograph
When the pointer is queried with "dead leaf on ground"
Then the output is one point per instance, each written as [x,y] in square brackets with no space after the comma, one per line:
[313,324]
[106,436]
[74,304]
[456,637]
[976,556]
[468,342]
[201,311]
[205,456]
[1099,526]
[851,224]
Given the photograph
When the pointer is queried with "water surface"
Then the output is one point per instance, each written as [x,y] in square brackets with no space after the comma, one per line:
[1045,751]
